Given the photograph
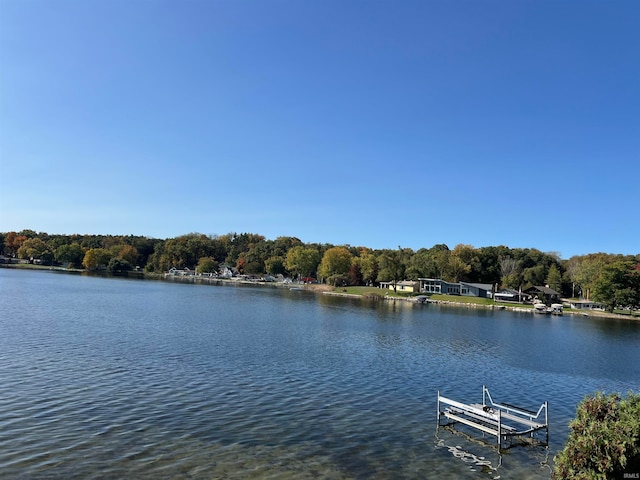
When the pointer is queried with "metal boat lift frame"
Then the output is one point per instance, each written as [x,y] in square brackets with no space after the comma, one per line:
[501,420]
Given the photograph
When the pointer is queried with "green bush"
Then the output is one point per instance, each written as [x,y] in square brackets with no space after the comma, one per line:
[604,441]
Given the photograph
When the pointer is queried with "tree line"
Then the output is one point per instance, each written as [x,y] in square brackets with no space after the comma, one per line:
[611,279]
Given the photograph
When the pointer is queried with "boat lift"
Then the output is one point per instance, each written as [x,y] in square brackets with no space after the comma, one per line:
[504,421]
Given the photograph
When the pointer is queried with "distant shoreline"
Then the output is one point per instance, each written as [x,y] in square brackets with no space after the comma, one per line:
[315,288]
[514,308]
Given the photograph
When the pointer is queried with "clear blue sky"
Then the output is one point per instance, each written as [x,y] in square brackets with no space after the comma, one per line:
[375,123]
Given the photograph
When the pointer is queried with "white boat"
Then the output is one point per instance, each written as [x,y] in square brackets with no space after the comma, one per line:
[423,299]
[539,307]
[556,309]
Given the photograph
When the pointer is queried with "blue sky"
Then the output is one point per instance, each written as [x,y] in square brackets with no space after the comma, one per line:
[375,123]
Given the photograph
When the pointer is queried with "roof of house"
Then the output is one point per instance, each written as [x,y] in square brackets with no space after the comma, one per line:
[482,286]
[542,289]
[507,291]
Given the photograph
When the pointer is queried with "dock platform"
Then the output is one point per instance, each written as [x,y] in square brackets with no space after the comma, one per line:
[505,422]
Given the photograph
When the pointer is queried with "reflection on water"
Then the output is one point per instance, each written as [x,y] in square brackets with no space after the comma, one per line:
[475,452]
[112,378]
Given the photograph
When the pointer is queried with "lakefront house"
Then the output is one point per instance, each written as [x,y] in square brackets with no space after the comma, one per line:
[402,286]
[466,289]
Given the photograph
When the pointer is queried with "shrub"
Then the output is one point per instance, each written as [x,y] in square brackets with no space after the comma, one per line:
[604,441]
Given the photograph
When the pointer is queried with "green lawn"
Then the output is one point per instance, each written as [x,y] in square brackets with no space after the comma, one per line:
[382,292]
[369,291]
[475,300]
[27,266]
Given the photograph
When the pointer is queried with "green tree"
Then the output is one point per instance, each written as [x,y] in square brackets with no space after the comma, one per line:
[489,264]
[533,276]
[554,278]
[422,265]
[617,286]
[27,233]
[393,264]
[71,254]
[604,440]
[335,261]
[96,258]
[118,265]
[302,260]
[441,258]
[255,257]
[274,265]
[282,245]
[207,265]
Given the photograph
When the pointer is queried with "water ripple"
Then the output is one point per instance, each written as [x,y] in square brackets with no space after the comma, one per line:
[233,383]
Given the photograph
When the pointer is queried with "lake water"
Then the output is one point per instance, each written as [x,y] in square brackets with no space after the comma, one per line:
[113,378]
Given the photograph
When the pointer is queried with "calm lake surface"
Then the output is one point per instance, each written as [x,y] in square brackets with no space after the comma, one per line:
[113,378]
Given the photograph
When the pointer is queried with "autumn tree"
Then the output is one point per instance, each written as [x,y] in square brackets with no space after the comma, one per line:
[13,242]
[355,274]
[235,244]
[302,261]
[604,440]
[509,272]
[457,268]
[368,267]
[96,258]
[207,265]
[335,262]
[588,270]
[464,260]
[185,251]
[125,252]
[34,248]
